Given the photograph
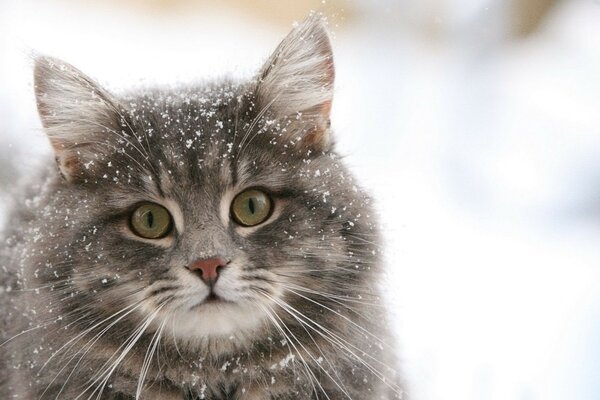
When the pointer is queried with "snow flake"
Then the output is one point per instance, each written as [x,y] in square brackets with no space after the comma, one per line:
[225,366]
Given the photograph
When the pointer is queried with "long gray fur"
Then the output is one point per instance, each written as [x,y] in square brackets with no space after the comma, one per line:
[91,312]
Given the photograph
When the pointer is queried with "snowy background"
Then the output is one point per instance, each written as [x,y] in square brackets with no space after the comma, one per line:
[479,138]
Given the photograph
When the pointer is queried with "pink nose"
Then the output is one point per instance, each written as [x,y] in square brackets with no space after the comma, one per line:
[208,268]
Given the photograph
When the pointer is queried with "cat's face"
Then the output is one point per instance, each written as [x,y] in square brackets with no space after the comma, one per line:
[206,211]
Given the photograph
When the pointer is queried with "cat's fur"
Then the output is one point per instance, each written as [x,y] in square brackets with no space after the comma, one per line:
[89,310]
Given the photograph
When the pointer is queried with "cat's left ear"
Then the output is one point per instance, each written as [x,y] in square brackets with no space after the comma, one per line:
[296,84]
[79,117]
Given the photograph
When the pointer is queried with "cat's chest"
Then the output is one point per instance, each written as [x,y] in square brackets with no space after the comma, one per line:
[216,392]
[245,378]
[235,377]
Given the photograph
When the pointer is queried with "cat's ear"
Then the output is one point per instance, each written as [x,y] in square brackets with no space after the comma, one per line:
[296,83]
[77,115]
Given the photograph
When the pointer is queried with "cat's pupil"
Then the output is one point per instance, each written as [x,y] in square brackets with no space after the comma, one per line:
[251,205]
[150,219]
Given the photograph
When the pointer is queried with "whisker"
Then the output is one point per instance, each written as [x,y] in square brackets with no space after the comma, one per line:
[335,339]
[306,351]
[254,122]
[148,360]
[103,377]
[310,375]
[88,346]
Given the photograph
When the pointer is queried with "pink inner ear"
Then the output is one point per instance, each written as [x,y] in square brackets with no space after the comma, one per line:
[70,166]
[298,80]
[317,137]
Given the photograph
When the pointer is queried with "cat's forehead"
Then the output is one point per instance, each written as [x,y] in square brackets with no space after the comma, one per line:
[192,137]
[186,125]
[201,110]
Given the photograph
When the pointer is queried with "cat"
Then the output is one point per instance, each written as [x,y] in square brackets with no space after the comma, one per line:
[200,242]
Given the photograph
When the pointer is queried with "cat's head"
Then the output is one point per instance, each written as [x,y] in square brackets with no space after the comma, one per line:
[212,210]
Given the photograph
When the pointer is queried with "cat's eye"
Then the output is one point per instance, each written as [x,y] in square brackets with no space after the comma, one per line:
[251,207]
[151,221]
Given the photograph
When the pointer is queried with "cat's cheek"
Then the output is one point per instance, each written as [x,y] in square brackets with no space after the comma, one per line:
[229,286]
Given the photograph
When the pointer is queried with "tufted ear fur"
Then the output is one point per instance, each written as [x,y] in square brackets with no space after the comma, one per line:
[296,83]
[80,118]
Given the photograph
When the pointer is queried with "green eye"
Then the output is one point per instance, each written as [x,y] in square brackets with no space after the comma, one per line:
[251,207]
[151,221]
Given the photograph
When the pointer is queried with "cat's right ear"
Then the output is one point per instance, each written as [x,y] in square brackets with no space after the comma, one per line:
[78,116]
[296,84]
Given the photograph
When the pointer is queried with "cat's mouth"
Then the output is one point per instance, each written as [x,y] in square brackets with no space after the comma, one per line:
[212,299]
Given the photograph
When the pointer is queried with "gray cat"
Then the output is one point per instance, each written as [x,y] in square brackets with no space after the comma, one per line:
[204,242]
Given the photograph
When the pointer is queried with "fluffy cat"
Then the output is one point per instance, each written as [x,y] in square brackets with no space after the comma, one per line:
[203,242]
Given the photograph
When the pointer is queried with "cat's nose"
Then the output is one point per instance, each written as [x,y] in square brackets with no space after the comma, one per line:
[208,268]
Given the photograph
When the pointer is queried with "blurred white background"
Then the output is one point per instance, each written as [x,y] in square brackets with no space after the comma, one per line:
[475,123]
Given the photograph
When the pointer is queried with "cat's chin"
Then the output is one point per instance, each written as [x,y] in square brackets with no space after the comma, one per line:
[216,318]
